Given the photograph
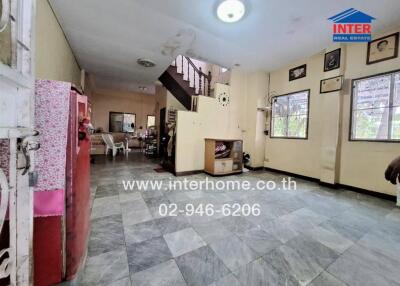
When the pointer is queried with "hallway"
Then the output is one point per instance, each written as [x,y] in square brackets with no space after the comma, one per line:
[311,236]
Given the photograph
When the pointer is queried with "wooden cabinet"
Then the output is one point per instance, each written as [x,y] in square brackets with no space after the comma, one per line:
[223,156]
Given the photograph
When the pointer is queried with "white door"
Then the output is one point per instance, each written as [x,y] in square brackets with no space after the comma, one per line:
[17,143]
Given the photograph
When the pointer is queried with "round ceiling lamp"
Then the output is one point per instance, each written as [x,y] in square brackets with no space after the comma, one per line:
[231,11]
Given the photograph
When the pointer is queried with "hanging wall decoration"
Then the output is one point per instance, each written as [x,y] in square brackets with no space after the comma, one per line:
[223,99]
[332,60]
[331,84]
[297,72]
[383,49]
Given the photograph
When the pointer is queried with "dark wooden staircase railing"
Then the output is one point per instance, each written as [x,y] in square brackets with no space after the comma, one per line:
[184,80]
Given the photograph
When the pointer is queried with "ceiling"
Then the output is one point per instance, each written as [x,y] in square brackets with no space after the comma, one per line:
[107,37]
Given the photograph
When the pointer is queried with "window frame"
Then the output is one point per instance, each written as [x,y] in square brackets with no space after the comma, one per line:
[147,120]
[350,139]
[308,116]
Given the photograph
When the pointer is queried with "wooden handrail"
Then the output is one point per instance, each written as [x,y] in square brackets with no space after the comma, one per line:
[200,79]
[199,71]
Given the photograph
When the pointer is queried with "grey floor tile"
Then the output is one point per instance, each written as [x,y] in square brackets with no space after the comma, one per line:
[107,190]
[229,280]
[316,251]
[201,267]
[147,254]
[106,268]
[183,241]
[125,197]
[261,273]
[236,224]
[394,215]
[163,274]
[233,252]
[133,206]
[152,194]
[121,282]
[105,206]
[344,229]
[279,229]
[172,224]
[360,266]
[355,220]
[140,232]
[107,234]
[260,241]
[302,219]
[326,279]
[298,233]
[301,258]
[155,202]
[384,241]
[134,212]
[211,230]
[292,263]
[330,239]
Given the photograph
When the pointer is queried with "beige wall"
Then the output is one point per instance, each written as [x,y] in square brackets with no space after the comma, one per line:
[363,163]
[173,103]
[210,121]
[105,101]
[54,57]
[238,120]
[253,135]
[327,154]
[298,156]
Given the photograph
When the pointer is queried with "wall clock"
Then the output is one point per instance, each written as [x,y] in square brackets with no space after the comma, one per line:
[223,99]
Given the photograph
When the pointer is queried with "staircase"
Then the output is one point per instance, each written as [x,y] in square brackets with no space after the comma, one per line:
[184,80]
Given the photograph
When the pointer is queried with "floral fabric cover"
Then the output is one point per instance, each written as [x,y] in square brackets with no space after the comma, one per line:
[51,120]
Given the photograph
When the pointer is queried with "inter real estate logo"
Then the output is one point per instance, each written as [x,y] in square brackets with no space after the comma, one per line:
[351,26]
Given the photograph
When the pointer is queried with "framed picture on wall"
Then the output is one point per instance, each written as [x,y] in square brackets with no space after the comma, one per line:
[297,72]
[383,49]
[332,60]
[331,84]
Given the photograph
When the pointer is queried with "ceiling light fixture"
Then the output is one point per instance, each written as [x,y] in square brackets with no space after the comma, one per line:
[231,11]
[146,63]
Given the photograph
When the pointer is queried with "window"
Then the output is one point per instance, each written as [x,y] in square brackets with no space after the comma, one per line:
[151,121]
[290,115]
[122,122]
[375,108]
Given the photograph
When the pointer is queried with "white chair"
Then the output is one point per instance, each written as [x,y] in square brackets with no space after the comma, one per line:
[110,145]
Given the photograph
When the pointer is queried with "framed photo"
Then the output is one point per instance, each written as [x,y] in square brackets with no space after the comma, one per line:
[383,49]
[331,84]
[332,60]
[297,72]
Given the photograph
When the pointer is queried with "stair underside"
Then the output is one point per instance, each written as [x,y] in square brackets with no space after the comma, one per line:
[178,86]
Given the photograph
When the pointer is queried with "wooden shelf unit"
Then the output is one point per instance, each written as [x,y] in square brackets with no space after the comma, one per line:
[232,164]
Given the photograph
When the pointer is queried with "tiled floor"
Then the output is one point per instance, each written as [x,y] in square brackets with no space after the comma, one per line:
[312,236]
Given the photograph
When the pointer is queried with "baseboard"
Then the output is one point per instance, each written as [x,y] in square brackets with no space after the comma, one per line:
[188,173]
[292,175]
[254,168]
[368,192]
[336,186]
